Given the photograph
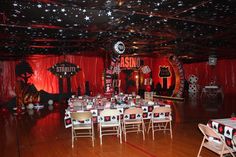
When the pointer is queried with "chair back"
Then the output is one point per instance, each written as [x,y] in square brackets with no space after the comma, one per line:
[110,112]
[208,132]
[133,111]
[134,114]
[81,116]
[161,110]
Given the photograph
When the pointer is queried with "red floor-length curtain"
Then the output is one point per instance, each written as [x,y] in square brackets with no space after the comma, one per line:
[91,70]
[223,73]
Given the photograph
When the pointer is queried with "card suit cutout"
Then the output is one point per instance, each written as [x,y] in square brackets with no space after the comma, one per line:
[144,115]
[132,116]
[228,132]
[107,118]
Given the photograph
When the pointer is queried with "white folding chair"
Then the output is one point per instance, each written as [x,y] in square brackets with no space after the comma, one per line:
[109,123]
[133,121]
[213,141]
[82,122]
[161,117]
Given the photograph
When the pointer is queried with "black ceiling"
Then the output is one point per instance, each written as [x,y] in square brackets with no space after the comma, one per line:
[191,29]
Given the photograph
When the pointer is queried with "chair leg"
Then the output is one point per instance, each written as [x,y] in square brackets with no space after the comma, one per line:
[72,139]
[93,136]
[120,134]
[143,126]
[171,130]
[124,130]
[100,134]
[198,155]
[153,130]
[165,127]
[72,142]
[149,126]
[232,153]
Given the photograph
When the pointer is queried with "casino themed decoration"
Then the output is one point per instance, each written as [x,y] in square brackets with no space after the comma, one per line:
[110,73]
[127,62]
[164,74]
[119,47]
[26,93]
[212,60]
[64,70]
[146,69]
[193,86]
[179,76]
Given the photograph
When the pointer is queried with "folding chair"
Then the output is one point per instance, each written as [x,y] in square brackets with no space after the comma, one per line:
[133,121]
[109,123]
[82,122]
[161,117]
[213,141]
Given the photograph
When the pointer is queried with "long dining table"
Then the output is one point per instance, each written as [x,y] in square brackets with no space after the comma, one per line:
[147,107]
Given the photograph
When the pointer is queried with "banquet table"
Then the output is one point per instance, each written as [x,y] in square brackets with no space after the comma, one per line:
[147,111]
[227,128]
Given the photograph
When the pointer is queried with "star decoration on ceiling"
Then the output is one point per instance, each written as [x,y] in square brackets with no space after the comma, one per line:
[145,26]
[109,13]
[86,18]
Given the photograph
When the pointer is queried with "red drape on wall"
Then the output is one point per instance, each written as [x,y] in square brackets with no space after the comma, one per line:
[223,74]
[91,70]
[7,80]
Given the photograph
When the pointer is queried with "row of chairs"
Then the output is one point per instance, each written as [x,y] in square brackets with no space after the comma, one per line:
[110,123]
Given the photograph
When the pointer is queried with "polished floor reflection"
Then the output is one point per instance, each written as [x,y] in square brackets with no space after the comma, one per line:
[42,133]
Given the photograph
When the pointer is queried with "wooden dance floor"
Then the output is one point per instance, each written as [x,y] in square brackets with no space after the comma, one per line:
[43,134]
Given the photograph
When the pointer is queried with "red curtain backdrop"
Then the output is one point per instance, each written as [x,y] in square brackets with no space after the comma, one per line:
[223,74]
[7,80]
[91,70]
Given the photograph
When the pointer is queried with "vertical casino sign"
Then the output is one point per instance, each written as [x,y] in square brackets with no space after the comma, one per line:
[118,49]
